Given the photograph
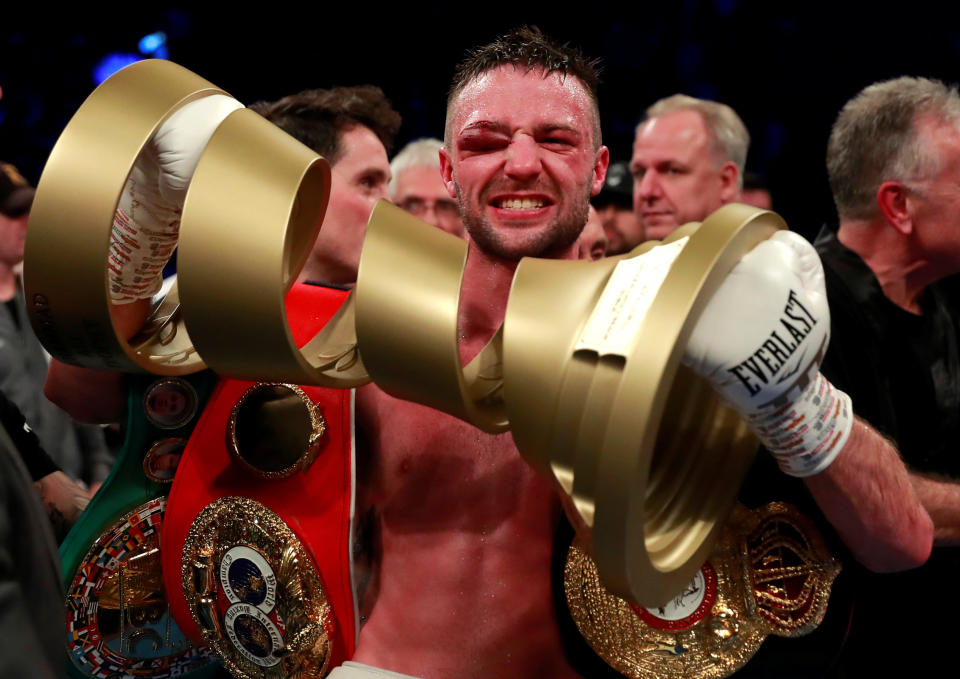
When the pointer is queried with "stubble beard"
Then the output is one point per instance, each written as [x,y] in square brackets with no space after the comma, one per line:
[557,236]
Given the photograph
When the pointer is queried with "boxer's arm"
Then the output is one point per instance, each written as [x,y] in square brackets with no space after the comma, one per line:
[88,395]
[940,496]
[148,212]
[91,395]
[867,496]
[763,356]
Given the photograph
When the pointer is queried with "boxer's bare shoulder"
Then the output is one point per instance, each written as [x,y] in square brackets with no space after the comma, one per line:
[464,529]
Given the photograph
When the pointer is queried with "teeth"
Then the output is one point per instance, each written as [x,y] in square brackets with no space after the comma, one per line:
[521,203]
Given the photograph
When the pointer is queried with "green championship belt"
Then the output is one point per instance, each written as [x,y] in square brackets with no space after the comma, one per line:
[118,622]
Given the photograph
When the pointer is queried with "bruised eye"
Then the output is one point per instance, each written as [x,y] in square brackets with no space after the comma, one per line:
[479,143]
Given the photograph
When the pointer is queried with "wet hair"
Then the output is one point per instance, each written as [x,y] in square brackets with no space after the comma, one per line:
[876,139]
[528,48]
[419,153]
[730,139]
[318,118]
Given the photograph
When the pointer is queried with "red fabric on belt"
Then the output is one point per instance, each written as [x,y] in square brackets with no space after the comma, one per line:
[315,504]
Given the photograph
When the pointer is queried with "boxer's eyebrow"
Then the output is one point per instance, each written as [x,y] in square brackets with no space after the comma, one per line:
[486,126]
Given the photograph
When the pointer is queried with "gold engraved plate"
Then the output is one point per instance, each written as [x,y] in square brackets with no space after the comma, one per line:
[275,430]
[255,594]
[770,573]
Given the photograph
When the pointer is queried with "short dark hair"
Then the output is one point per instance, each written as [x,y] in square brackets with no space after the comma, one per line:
[318,118]
[527,47]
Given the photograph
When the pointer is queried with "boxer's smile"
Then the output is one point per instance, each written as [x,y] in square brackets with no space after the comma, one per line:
[523,175]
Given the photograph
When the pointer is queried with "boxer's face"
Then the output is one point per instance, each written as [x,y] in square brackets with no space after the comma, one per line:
[359,179]
[522,161]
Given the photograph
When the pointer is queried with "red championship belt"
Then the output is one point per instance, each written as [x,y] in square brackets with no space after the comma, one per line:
[256,539]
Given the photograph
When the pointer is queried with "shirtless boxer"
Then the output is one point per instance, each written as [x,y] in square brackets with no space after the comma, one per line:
[465,526]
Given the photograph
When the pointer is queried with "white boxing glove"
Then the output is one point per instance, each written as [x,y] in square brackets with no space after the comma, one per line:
[760,342]
[147,220]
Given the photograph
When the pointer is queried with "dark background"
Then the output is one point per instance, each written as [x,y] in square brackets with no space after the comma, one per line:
[786,68]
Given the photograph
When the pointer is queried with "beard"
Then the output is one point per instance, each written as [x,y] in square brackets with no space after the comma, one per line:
[514,244]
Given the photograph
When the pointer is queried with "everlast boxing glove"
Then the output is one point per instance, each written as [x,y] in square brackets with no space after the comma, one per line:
[760,342]
[147,220]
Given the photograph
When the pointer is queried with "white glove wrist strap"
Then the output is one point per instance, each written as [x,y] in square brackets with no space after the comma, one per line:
[806,435]
[137,257]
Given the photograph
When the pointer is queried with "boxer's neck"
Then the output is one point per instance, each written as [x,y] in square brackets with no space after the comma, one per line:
[484,294]
[483,299]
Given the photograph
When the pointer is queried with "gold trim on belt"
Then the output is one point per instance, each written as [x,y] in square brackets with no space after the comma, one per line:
[770,573]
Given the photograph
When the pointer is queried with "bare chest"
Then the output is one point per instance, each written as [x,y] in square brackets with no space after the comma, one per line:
[424,464]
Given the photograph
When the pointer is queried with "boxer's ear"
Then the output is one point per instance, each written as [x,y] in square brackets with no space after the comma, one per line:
[600,164]
[446,172]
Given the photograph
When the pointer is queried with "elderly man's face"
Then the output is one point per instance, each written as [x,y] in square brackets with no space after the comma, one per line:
[420,191]
[935,202]
[522,161]
[677,177]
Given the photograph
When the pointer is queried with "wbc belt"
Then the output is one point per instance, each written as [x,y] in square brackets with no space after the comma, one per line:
[256,544]
[118,621]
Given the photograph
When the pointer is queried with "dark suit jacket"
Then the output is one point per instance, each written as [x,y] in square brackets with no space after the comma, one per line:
[32,622]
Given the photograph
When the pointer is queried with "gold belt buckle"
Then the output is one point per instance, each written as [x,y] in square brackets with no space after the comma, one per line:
[770,573]
[254,592]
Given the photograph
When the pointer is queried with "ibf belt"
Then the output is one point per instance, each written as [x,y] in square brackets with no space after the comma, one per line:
[256,543]
[770,573]
[118,620]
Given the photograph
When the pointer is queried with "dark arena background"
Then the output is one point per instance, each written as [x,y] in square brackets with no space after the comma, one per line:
[786,67]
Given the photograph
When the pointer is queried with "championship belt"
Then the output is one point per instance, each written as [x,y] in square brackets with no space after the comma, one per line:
[257,539]
[118,620]
[769,573]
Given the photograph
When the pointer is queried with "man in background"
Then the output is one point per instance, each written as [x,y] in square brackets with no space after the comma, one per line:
[353,128]
[79,450]
[614,206]
[417,187]
[893,161]
[688,160]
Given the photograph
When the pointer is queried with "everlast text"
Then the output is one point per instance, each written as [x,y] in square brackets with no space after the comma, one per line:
[762,365]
